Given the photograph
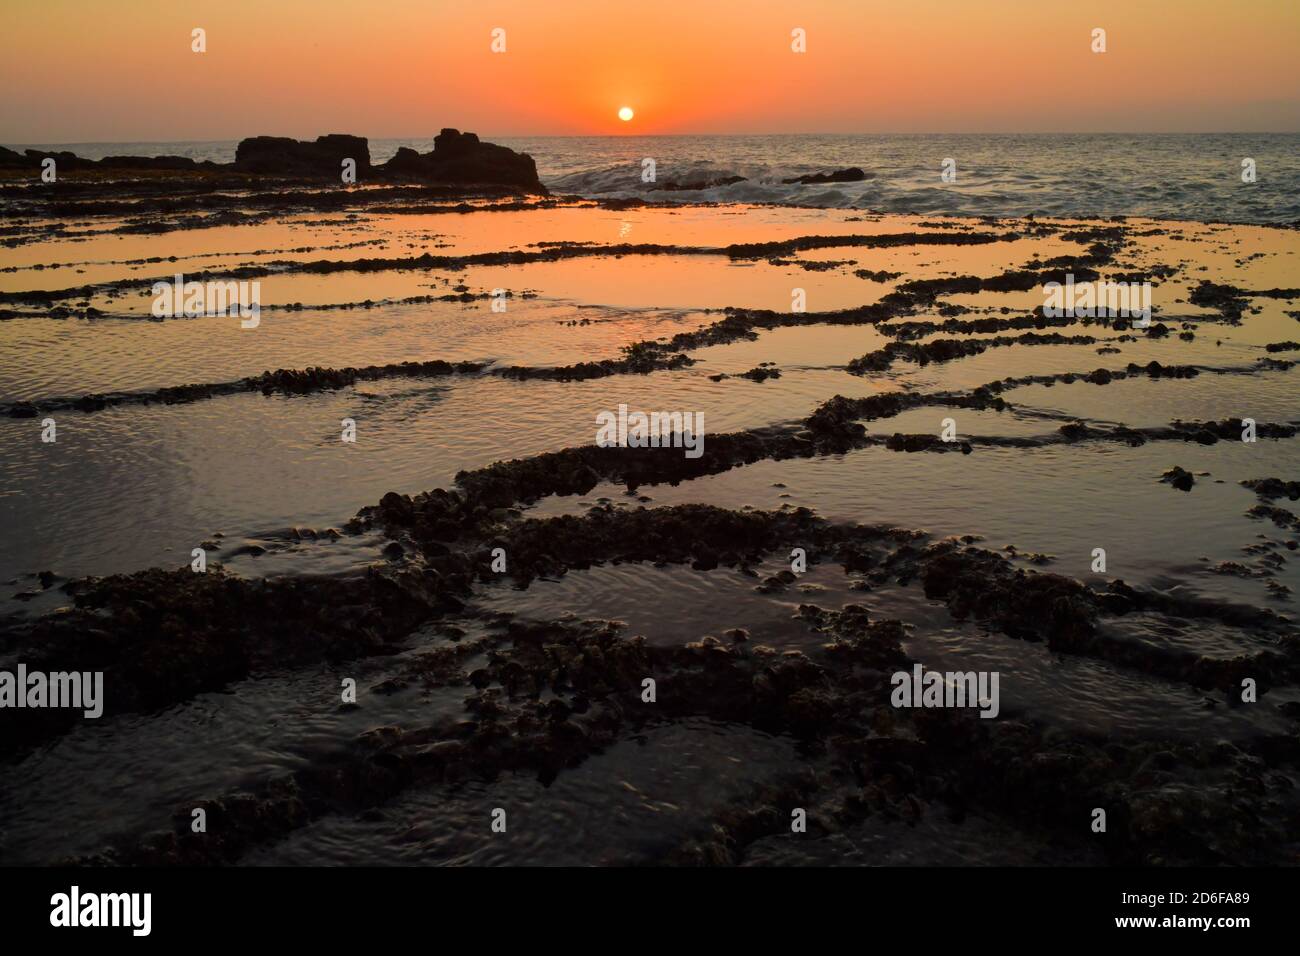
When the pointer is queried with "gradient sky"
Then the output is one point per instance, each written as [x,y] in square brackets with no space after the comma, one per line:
[122,70]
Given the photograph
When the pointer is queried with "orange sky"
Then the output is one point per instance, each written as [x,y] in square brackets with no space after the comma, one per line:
[122,70]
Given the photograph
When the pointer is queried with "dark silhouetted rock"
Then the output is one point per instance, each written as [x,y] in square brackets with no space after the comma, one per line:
[702,184]
[62,158]
[1180,478]
[851,175]
[1274,488]
[281,156]
[407,162]
[461,159]
[150,162]
[457,159]
[12,160]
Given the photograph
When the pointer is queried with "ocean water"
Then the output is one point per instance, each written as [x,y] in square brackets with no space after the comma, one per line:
[1195,176]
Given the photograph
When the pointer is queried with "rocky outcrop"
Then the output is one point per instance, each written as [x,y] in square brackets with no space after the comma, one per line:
[281,156]
[65,161]
[9,158]
[456,160]
[462,159]
[32,159]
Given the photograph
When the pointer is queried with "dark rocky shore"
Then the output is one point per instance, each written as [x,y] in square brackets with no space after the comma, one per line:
[554,695]
[456,160]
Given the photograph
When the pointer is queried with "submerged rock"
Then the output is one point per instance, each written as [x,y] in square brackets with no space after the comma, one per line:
[761,373]
[851,175]
[1274,488]
[702,184]
[1179,478]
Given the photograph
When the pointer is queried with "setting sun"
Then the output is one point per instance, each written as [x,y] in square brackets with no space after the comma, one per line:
[625,113]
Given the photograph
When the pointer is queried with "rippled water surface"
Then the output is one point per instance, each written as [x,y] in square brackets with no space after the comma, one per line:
[261,479]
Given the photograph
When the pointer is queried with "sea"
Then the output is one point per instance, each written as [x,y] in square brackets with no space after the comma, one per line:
[1205,177]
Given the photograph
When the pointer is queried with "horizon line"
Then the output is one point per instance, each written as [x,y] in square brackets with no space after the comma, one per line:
[125,142]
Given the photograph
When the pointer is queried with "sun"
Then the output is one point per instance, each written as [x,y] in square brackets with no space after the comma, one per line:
[625,113]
